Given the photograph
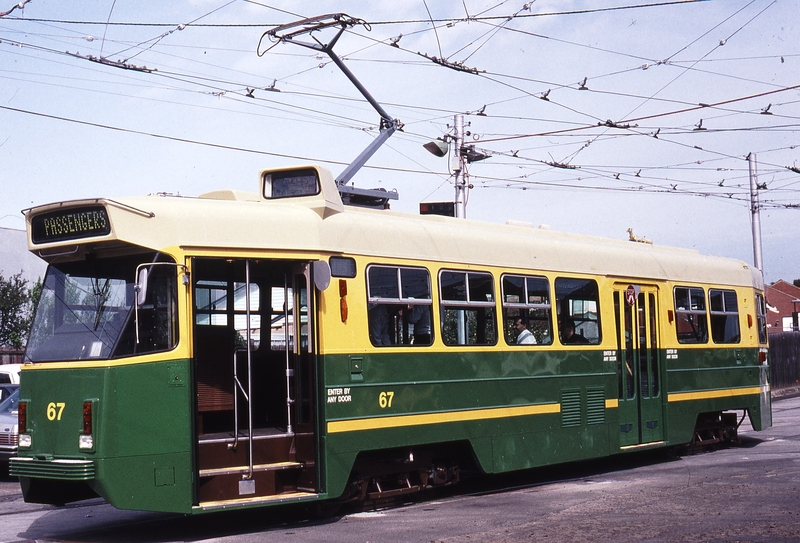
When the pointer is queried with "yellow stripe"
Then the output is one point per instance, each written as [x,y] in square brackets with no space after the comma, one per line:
[437,418]
[168,356]
[710,394]
[612,403]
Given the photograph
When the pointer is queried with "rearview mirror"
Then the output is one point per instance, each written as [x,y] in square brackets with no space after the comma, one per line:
[322,274]
[141,287]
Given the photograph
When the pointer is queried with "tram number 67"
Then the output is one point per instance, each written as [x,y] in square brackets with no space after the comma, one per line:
[385,399]
[54,410]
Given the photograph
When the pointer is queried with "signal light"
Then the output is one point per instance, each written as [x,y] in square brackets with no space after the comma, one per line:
[22,417]
[24,439]
[343,311]
[85,440]
[87,418]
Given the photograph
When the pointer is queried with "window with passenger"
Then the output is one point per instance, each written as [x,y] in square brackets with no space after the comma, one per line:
[468,306]
[724,316]
[399,305]
[577,304]
[526,310]
[690,315]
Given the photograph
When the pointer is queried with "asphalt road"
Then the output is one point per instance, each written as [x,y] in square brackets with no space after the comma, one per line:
[749,492]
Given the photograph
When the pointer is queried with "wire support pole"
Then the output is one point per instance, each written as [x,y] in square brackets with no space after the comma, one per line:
[460,168]
[755,214]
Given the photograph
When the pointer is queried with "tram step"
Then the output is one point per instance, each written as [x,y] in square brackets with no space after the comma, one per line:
[238,470]
[255,500]
[231,483]
[642,446]
[220,454]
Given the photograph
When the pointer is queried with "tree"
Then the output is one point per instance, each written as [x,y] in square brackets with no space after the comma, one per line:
[15,314]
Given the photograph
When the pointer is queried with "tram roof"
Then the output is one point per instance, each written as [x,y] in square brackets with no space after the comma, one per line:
[241,220]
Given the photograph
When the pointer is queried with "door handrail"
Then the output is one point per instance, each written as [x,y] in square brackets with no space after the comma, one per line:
[238,385]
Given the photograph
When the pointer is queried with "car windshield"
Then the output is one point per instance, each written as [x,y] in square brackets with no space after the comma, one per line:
[86,310]
[9,405]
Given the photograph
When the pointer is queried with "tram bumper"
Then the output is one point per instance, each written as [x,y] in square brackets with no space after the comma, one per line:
[762,419]
[53,481]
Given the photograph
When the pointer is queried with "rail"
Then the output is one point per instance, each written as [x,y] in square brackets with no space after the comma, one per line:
[238,384]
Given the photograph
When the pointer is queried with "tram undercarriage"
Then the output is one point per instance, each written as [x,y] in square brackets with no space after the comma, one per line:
[714,429]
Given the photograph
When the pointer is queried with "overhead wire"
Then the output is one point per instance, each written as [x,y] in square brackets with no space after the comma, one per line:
[105,29]
[18,5]
[385,22]
[205,143]
[596,118]
[539,96]
[179,27]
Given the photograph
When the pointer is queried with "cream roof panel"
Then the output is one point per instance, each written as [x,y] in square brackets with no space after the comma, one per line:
[234,220]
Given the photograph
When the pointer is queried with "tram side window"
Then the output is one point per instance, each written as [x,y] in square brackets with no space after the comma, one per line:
[724,316]
[211,301]
[761,317]
[690,315]
[240,314]
[158,315]
[468,306]
[527,298]
[281,313]
[399,305]
[578,307]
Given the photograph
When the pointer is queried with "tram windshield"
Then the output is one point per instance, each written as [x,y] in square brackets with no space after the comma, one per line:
[87,310]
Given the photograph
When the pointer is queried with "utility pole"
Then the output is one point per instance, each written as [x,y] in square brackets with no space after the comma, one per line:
[755,214]
[460,156]
[459,165]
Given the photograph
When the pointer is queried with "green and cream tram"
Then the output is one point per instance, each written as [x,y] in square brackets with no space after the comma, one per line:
[250,349]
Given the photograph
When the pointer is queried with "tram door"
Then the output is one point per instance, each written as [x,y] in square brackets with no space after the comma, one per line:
[639,375]
[254,378]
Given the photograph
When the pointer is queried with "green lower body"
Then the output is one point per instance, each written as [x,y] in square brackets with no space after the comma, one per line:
[499,412]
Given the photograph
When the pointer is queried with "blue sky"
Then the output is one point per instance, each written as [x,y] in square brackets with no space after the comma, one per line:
[675,96]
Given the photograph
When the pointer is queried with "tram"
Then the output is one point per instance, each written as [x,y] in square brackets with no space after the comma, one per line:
[237,349]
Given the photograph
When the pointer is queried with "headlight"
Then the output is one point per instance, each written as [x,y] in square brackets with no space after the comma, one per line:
[85,442]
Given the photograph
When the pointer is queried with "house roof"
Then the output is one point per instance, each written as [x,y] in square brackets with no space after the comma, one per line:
[781,296]
[786,288]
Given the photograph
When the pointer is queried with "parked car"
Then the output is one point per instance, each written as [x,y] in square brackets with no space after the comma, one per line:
[9,434]
[9,373]
[7,390]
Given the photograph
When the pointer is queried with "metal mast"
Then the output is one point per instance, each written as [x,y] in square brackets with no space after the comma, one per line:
[459,167]
[755,214]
